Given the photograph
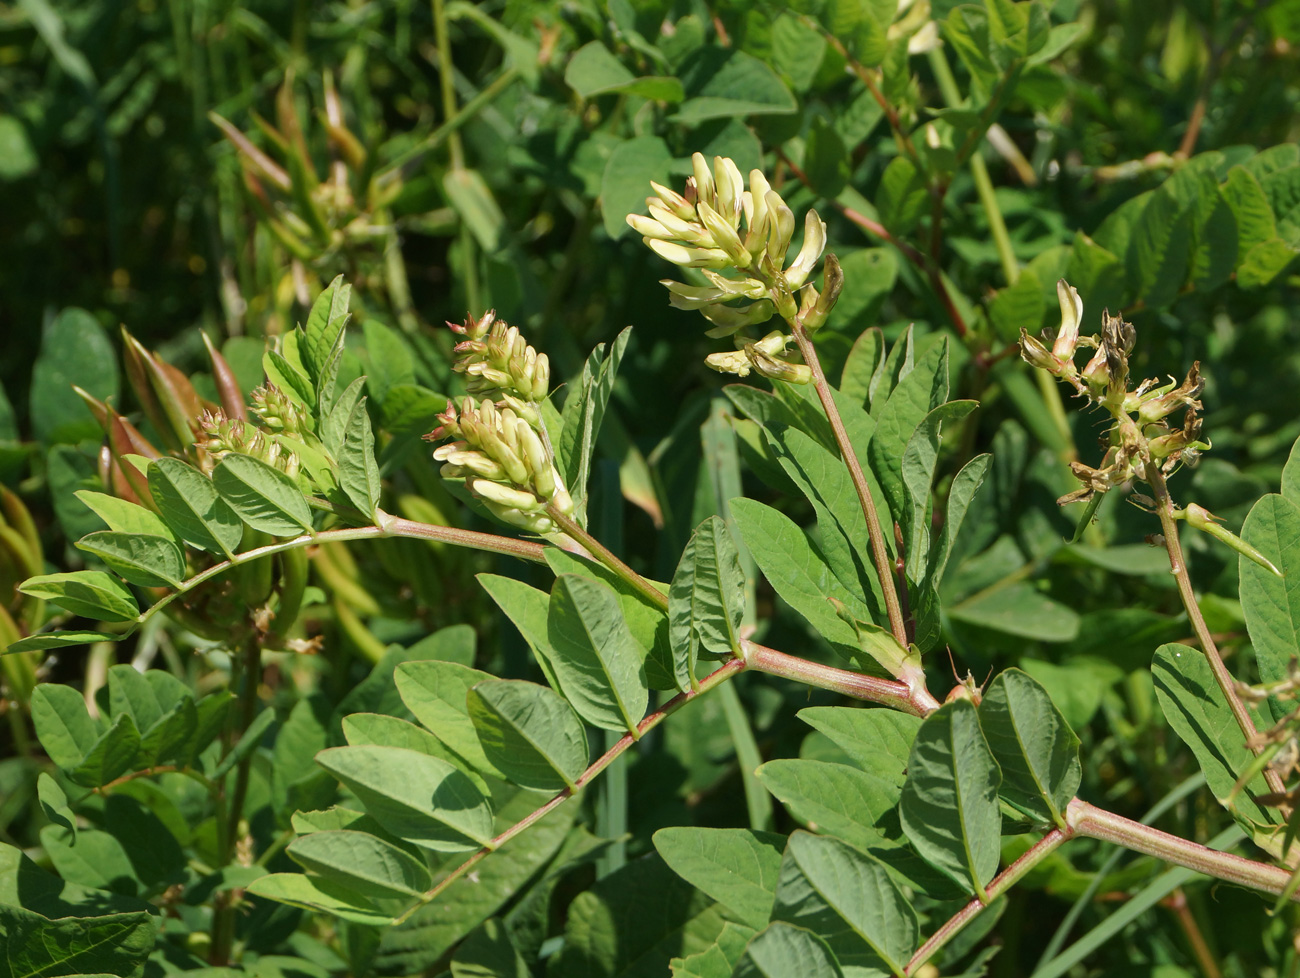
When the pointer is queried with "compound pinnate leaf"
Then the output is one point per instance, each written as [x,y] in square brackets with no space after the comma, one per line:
[361,862]
[530,733]
[91,594]
[140,558]
[437,692]
[784,949]
[1032,743]
[418,798]
[598,663]
[263,497]
[737,867]
[190,504]
[949,806]
[706,600]
[849,900]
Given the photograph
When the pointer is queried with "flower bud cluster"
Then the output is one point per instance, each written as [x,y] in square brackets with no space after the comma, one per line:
[1142,432]
[719,226]
[220,436]
[497,360]
[505,461]
[279,413]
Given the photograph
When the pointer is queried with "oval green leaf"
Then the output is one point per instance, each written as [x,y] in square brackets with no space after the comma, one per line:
[530,733]
[265,498]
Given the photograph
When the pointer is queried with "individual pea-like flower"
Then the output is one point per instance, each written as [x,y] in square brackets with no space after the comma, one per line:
[504,461]
[739,238]
[767,357]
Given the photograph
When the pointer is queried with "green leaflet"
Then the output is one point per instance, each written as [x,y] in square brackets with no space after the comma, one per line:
[190,504]
[1032,743]
[361,862]
[633,921]
[949,806]
[358,471]
[598,663]
[718,959]
[110,756]
[593,71]
[918,393]
[381,730]
[436,927]
[62,723]
[917,470]
[1195,708]
[325,322]
[437,693]
[902,198]
[91,594]
[59,640]
[785,950]
[706,601]
[836,798]
[418,798]
[1018,609]
[527,608]
[530,733]
[54,803]
[324,896]
[123,516]
[848,899]
[144,559]
[879,741]
[1271,604]
[584,410]
[647,620]
[112,944]
[737,867]
[488,953]
[265,498]
[798,574]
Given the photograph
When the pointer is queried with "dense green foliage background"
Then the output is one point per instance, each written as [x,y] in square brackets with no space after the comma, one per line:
[123,205]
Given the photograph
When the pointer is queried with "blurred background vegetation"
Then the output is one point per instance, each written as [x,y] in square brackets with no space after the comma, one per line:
[189,168]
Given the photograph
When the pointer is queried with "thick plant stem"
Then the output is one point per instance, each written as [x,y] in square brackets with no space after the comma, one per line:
[1095,823]
[872,689]
[1178,566]
[879,554]
[607,557]
[1039,851]
[716,678]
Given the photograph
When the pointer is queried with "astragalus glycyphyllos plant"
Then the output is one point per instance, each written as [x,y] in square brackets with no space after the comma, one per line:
[902,838]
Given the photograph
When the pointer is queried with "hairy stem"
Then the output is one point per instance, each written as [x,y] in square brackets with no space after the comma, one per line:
[1095,823]
[1178,566]
[1039,851]
[716,678]
[887,692]
[879,554]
